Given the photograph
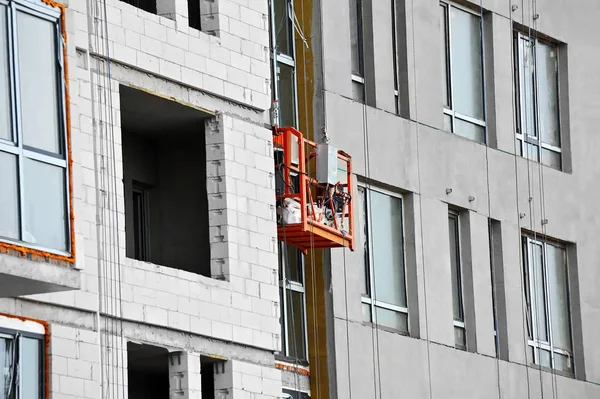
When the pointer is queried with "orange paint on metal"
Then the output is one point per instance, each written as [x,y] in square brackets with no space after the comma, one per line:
[293,369]
[23,250]
[46,348]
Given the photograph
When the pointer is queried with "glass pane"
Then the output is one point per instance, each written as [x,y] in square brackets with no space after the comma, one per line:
[519,147]
[282,321]
[287,95]
[358,91]
[45,207]
[547,80]
[387,248]
[283,27]
[7,371]
[9,197]
[363,233]
[447,123]
[469,130]
[532,150]
[563,363]
[294,270]
[526,87]
[544,357]
[445,69]
[556,261]
[551,158]
[295,316]
[455,268]
[392,319]
[356,37]
[5,125]
[30,368]
[38,82]
[538,302]
[467,71]
[459,338]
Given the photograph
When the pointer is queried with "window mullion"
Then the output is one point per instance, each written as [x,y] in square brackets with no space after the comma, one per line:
[548,304]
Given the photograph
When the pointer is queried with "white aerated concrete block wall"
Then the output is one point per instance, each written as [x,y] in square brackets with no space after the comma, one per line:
[241,380]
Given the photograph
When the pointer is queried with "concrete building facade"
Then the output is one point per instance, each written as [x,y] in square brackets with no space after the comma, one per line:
[138,253]
[474,273]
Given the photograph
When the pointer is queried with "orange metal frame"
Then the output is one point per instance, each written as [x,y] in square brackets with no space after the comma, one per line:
[310,233]
[23,250]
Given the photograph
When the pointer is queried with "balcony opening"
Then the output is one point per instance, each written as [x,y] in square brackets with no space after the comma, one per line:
[146,5]
[194,14]
[164,177]
[147,371]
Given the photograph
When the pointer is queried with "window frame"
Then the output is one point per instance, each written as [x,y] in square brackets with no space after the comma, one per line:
[9,333]
[535,343]
[523,138]
[15,145]
[289,286]
[449,110]
[144,239]
[358,76]
[460,288]
[285,59]
[367,299]
[396,63]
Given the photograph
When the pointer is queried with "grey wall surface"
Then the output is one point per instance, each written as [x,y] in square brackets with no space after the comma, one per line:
[417,157]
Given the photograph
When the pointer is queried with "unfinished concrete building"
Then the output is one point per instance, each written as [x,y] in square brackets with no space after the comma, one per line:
[138,251]
[470,125]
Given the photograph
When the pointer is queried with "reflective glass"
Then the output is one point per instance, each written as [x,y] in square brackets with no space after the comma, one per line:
[556,261]
[362,248]
[45,207]
[469,130]
[5,118]
[544,357]
[459,338]
[295,316]
[392,319]
[538,302]
[444,46]
[526,87]
[9,197]
[366,312]
[287,95]
[532,151]
[283,27]
[387,248]
[455,268]
[37,63]
[356,37]
[547,95]
[467,70]
[7,374]
[551,158]
[563,362]
[30,377]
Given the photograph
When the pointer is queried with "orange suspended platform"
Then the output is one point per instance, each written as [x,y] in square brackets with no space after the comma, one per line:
[312,214]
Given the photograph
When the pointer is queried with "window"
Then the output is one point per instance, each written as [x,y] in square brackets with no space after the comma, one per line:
[547,295]
[33,143]
[22,365]
[538,122]
[357,50]
[293,305]
[460,337]
[282,14]
[140,221]
[462,71]
[384,291]
[291,394]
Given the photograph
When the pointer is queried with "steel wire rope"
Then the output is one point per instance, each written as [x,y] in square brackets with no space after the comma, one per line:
[416,121]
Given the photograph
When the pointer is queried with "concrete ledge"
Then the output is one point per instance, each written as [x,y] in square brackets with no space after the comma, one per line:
[19,276]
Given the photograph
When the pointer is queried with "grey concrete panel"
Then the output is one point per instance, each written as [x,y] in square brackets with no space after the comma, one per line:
[513,278]
[383,55]
[404,359]
[438,287]
[336,47]
[503,192]
[394,140]
[450,161]
[482,290]
[453,371]
[427,52]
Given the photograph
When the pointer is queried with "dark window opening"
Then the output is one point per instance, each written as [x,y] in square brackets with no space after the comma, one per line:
[209,366]
[147,371]
[146,5]
[164,176]
[194,14]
